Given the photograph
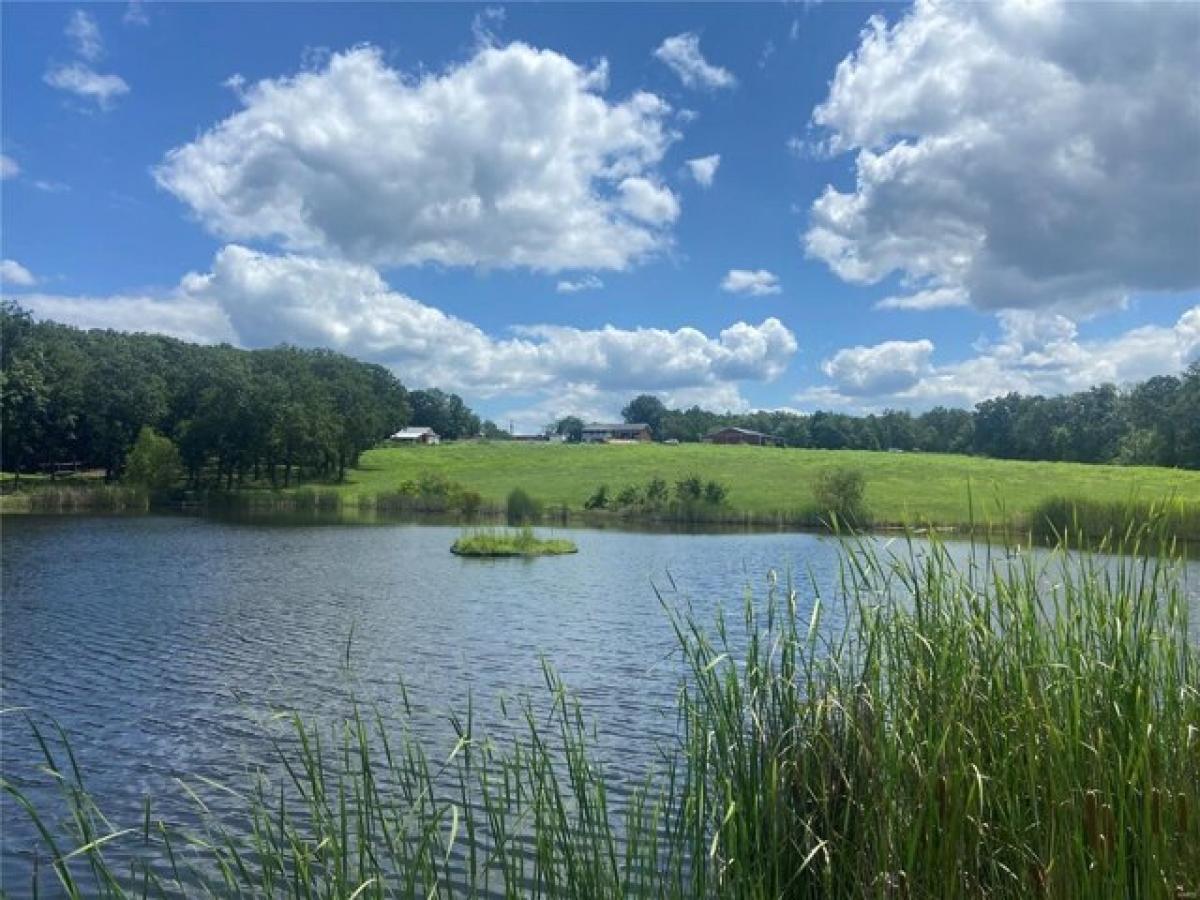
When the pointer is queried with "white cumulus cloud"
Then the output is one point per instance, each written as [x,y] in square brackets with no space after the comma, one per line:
[172,314]
[704,169]
[1036,352]
[135,13]
[586,283]
[513,158]
[84,81]
[1017,154]
[756,282]
[648,201]
[682,55]
[882,369]
[84,33]
[8,167]
[933,298]
[258,299]
[12,272]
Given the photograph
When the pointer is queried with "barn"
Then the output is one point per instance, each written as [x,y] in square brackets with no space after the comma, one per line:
[598,433]
[733,435]
[415,436]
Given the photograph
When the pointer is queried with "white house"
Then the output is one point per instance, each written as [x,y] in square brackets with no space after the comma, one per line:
[416,436]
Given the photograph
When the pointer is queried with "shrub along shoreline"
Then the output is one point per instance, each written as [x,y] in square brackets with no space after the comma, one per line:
[838,501]
[1003,727]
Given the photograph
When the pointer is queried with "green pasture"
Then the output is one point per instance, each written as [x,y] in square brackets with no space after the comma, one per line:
[910,488]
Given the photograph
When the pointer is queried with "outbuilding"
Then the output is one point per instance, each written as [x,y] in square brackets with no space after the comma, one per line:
[734,435]
[415,436]
[600,433]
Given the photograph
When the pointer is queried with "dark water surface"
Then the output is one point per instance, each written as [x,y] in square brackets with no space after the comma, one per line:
[161,644]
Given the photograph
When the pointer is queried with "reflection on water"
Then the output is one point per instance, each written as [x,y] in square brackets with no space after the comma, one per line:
[162,643]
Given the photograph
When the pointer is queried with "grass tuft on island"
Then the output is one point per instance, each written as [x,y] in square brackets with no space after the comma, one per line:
[491,543]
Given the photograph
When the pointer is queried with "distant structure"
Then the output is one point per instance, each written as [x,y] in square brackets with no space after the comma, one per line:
[528,438]
[742,436]
[415,436]
[598,433]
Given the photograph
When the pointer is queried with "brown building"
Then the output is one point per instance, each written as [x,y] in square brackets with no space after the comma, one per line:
[742,436]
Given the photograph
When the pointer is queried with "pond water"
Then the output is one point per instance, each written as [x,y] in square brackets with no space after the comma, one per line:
[161,643]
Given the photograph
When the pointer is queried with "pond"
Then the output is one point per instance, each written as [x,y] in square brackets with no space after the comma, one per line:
[161,644]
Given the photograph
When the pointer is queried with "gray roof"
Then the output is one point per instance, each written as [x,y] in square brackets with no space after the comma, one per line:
[414,431]
[749,431]
[620,426]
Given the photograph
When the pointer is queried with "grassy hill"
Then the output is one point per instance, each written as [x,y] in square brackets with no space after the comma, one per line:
[912,488]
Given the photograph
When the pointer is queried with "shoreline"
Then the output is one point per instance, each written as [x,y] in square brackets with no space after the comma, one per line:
[1013,534]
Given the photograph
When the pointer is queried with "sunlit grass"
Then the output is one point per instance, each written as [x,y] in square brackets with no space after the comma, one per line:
[1004,725]
[772,484]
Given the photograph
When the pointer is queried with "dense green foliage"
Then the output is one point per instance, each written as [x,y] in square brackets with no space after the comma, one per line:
[153,462]
[571,427]
[429,491]
[444,413]
[691,500]
[839,492]
[1156,422]
[234,415]
[999,728]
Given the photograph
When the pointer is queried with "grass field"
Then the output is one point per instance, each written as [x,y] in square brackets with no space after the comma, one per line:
[909,488]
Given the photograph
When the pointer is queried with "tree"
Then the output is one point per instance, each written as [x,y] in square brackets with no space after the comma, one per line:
[493,432]
[1186,410]
[153,462]
[994,421]
[841,493]
[943,430]
[127,392]
[444,413]
[22,412]
[825,431]
[645,408]
[571,426]
[1149,409]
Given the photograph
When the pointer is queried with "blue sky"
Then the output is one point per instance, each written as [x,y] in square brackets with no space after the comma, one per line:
[422,185]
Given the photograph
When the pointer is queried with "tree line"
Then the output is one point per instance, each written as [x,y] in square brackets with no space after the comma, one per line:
[1154,422]
[71,396]
[237,416]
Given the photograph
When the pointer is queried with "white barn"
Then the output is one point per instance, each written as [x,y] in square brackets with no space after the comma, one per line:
[416,436]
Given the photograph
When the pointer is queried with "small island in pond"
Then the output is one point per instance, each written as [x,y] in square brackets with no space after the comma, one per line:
[510,543]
